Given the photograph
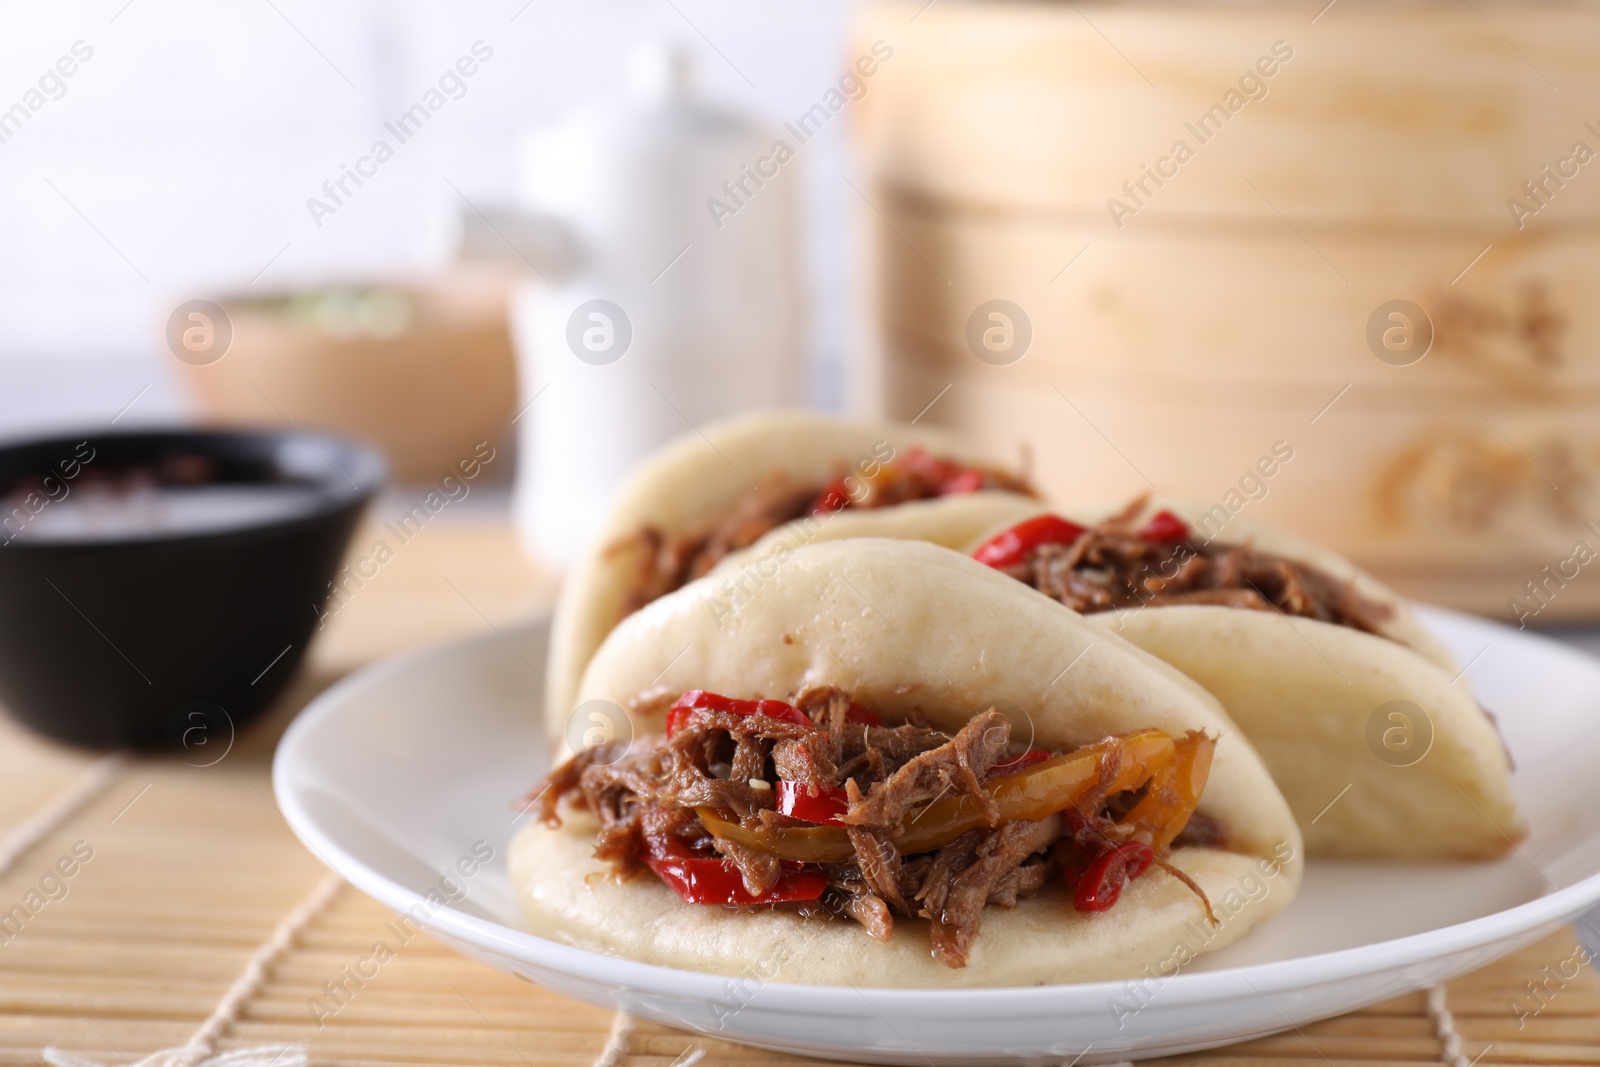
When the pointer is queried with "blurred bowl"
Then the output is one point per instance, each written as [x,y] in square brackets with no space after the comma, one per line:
[158,589]
[424,370]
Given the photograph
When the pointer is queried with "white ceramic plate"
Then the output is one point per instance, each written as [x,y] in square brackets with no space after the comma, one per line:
[396,774]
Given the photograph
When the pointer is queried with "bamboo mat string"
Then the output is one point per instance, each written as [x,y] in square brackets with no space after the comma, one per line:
[1444,1028]
[50,818]
[616,1046]
[201,1050]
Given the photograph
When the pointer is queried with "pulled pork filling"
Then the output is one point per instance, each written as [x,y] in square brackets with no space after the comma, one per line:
[1123,563]
[818,807]
[668,561]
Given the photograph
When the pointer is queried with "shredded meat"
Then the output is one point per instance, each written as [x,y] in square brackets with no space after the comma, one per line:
[880,865]
[804,761]
[1110,566]
[1024,881]
[759,870]
[851,897]
[957,766]
[670,560]
[872,913]
[644,799]
[711,762]
[1202,832]
[956,905]
[814,759]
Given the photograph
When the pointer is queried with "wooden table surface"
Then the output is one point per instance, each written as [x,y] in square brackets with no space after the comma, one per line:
[191,871]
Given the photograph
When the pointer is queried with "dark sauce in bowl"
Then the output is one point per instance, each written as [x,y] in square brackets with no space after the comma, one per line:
[159,589]
[101,512]
[88,497]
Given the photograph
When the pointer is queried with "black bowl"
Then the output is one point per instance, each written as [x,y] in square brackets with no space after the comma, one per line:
[122,625]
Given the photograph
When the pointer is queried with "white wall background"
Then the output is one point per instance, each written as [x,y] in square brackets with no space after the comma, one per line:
[179,158]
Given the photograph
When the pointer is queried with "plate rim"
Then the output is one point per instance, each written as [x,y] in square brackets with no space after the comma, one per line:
[637,977]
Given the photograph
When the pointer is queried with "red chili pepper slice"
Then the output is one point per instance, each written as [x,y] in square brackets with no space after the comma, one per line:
[968,481]
[711,880]
[812,804]
[861,716]
[1073,864]
[918,461]
[700,700]
[948,476]
[1103,880]
[836,497]
[1020,762]
[1164,528]
[1012,547]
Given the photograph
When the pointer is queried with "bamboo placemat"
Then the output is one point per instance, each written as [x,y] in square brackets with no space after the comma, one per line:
[181,874]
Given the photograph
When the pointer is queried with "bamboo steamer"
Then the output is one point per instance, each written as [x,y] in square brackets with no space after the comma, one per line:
[1402,114]
[1271,308]
[1235,307]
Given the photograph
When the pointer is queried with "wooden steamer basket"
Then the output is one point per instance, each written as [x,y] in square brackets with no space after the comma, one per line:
[1178,341]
